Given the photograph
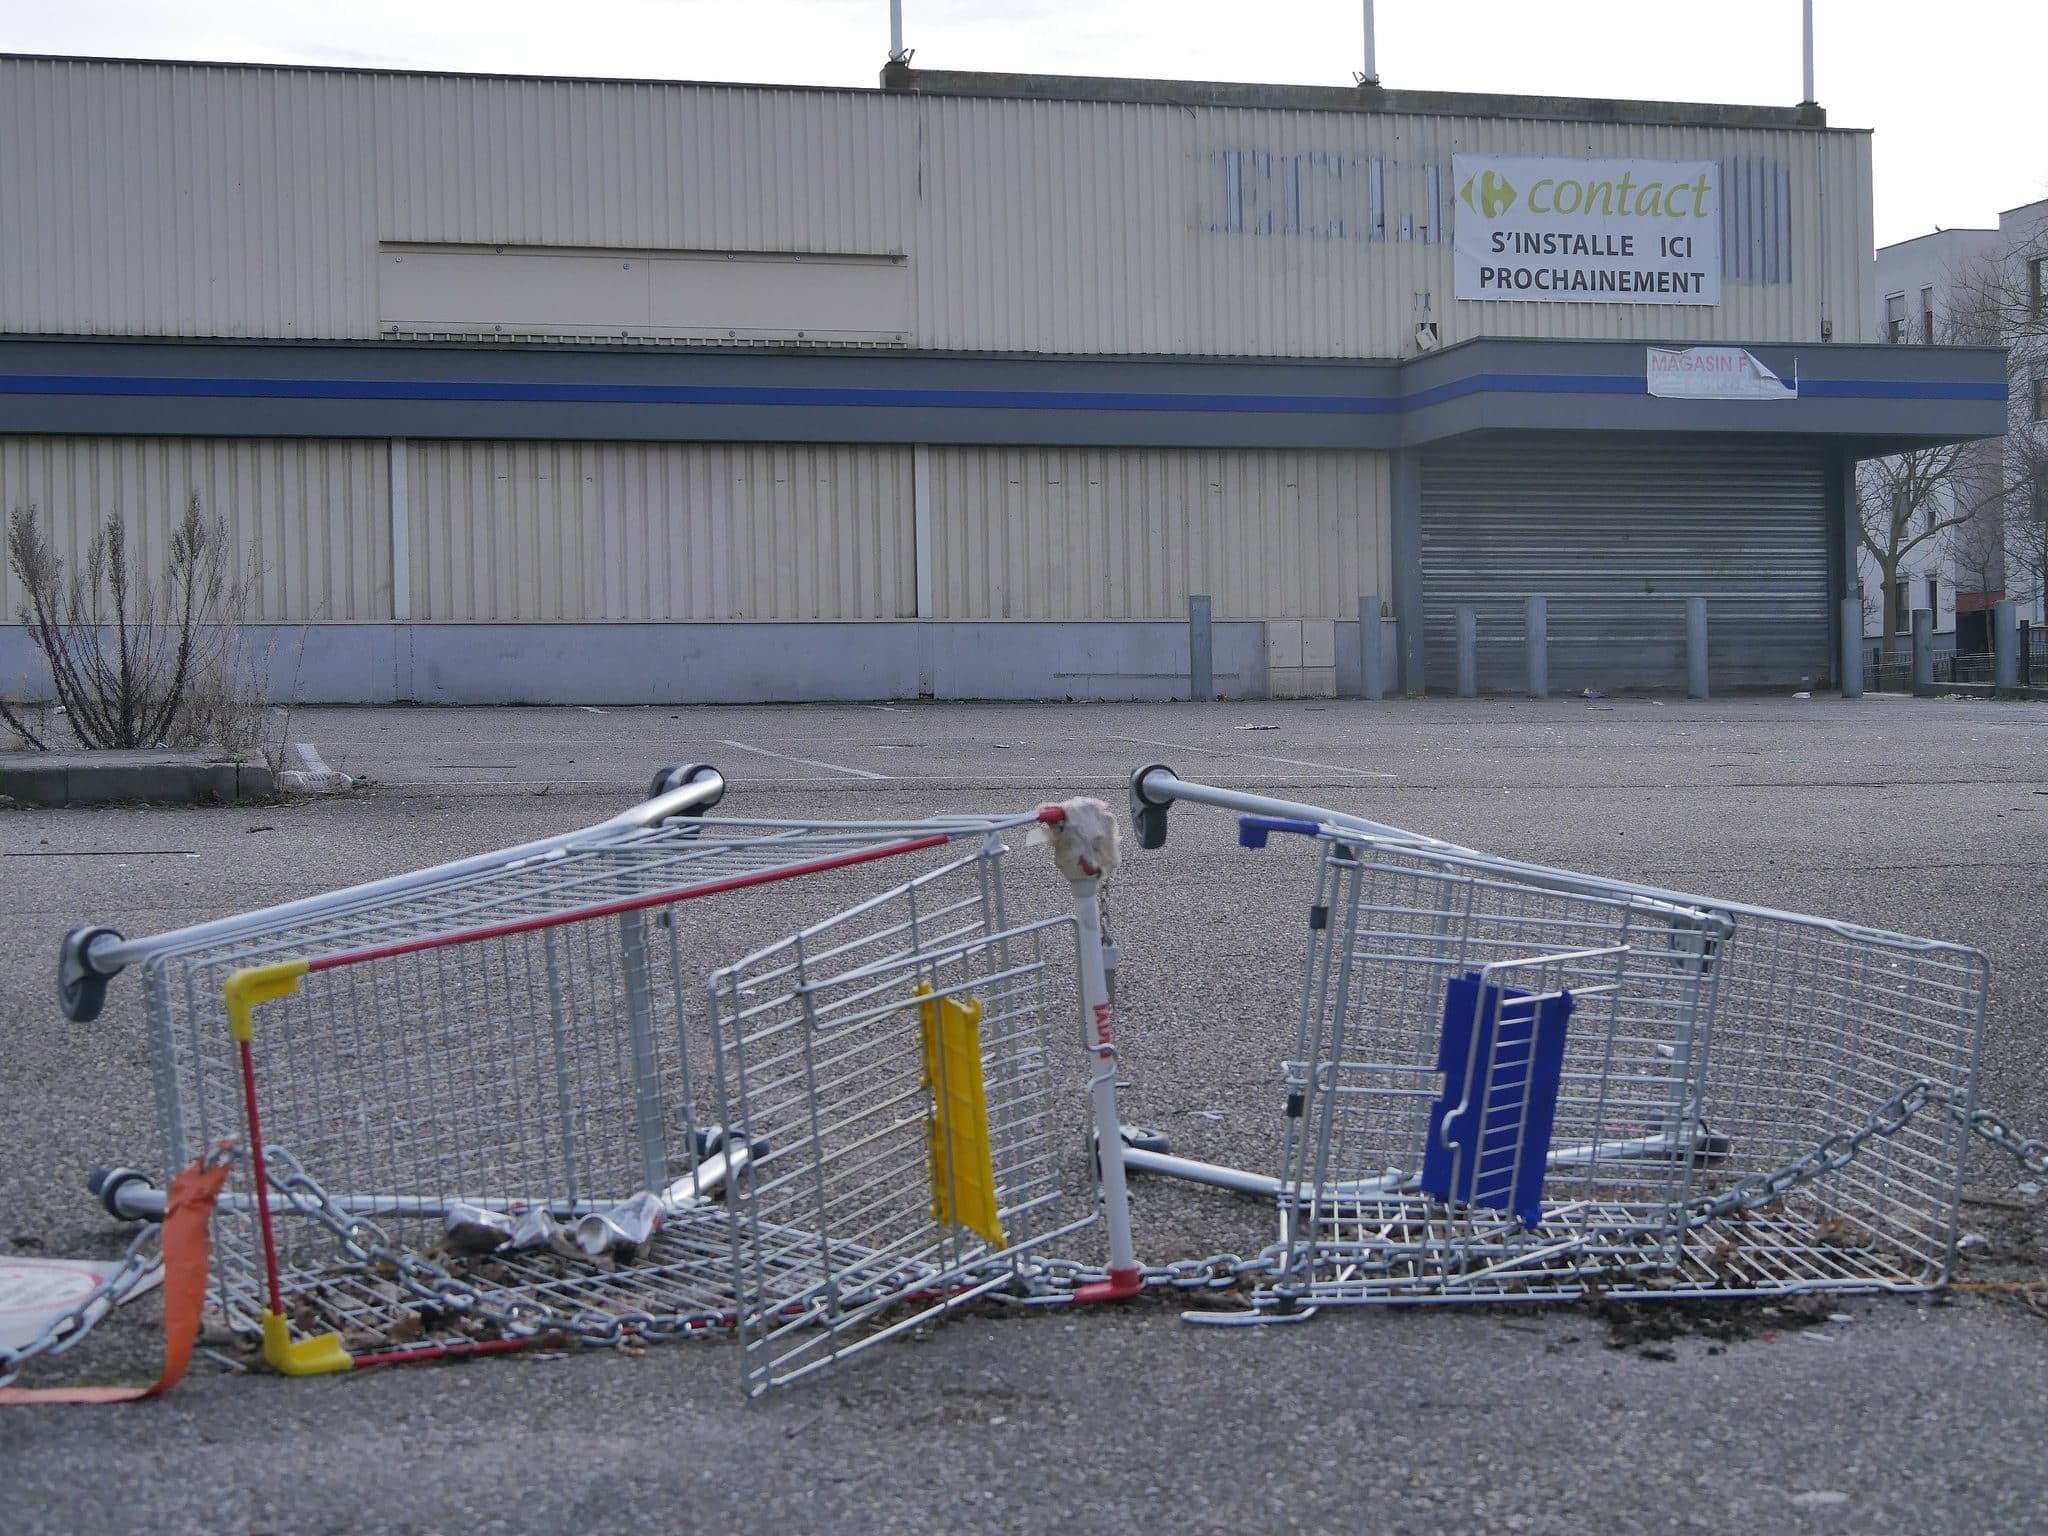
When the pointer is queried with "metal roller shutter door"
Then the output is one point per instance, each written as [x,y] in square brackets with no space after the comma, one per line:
[1617,533]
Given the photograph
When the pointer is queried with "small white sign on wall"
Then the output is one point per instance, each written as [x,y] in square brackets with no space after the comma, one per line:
[1714,373]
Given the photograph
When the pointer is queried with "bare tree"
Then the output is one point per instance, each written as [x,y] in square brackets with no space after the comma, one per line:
[2007,297]
[1981,505]
[128,654]
[1927,499]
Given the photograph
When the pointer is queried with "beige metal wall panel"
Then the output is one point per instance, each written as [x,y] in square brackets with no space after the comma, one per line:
[1130,533]
[177,199]
[171,199]
[1102,227]
[149,200]
[425,290]
[674,167]
[659,531]
[311,519]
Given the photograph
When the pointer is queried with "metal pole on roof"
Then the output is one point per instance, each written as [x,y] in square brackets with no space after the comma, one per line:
[1806,40]
[1371,73]
[896,53]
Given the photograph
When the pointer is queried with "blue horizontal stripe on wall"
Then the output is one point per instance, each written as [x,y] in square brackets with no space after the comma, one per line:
[932,399]
[687,394]
[1901,389]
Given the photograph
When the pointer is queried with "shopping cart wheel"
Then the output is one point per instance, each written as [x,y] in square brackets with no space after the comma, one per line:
[675,776]
[81,988]
[1149,815]
[1710,1145]
[1137,1138]
[127,1194]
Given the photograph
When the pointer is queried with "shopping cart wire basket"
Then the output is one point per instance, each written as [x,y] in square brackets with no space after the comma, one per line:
[1514,1082]
[531,1095]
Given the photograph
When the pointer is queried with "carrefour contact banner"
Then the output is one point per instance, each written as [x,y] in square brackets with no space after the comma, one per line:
[1587,231]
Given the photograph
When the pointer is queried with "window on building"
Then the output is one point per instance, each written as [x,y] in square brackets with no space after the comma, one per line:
[1927,316]
[1895,318]
[1902,607]
[2041,398]
[1934,599]
[2037,284]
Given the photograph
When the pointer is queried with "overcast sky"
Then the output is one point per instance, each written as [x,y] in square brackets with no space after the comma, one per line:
[1953,90]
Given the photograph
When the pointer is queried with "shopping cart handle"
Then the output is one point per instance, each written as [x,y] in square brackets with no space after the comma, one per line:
[1252,830]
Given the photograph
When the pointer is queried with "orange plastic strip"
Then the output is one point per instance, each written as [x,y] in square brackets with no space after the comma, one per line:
[186,1254]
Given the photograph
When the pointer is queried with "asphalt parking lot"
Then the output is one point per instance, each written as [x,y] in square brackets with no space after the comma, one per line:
[1906,1414]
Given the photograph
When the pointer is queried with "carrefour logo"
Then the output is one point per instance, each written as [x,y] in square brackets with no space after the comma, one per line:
[1496,194]
[1490,194]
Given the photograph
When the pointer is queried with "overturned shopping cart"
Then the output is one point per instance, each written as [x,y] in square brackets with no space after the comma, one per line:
[1512,1082]
[669,1075]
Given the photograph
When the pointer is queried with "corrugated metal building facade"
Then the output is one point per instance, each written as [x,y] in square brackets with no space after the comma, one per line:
[947,387]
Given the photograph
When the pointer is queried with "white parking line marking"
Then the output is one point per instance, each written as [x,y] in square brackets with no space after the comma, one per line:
[808,762]
[1263,757]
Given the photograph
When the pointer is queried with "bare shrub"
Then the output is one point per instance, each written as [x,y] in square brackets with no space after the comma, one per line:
[225,706]
[27,721]
[136,661]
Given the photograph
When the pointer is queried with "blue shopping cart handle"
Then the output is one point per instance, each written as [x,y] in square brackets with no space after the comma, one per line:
[1252,830]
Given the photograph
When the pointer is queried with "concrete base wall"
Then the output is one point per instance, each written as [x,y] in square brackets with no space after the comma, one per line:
[1349,683]
[716,663]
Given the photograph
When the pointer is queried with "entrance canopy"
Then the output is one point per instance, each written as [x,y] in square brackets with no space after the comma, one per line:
[1871,400]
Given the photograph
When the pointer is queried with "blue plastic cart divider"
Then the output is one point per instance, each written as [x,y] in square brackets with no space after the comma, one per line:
[1501,1054]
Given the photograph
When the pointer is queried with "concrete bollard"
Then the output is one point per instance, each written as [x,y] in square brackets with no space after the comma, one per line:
[1923,652]
[1852,647]
[1468,651]
[1536,638]
[1695,647]
[1201,651]
[1372,681]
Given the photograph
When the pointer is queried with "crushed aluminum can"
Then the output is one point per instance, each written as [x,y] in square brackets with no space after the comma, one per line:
[624,1228]
[475,1229]
[533,1227]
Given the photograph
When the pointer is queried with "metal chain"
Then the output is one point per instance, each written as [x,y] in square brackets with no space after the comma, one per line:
[74,1323]
[1052,1279]
[1224,1271]
[69,1327]
[1218,1272]
[1836,1152]
[368,1244]
[1988,1123]
[1840,1149]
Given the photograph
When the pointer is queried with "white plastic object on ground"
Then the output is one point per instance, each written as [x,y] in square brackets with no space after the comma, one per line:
[1085,840]
[35,1292]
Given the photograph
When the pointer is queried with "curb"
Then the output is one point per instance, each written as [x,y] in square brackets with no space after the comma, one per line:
[106,778]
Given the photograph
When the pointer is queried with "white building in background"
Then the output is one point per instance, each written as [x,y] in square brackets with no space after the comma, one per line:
[1973,287]
[525,389]
[2023,243]
[1922,284]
